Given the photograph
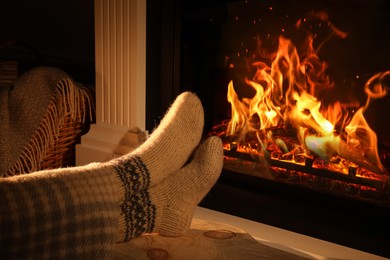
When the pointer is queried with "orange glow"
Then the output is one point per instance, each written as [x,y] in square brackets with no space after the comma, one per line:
[286,92]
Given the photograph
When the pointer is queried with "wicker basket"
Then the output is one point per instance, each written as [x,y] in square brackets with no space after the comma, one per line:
[8,73]
[61,151]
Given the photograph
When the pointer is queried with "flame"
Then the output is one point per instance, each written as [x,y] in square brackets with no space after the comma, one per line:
[360,135]
[239,111]
[286,92]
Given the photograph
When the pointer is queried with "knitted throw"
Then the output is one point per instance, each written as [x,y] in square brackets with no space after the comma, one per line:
[24,116]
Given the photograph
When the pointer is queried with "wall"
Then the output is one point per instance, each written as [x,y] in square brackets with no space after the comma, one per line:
[62,32]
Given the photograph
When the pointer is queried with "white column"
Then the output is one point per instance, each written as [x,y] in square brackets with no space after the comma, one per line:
[120,57]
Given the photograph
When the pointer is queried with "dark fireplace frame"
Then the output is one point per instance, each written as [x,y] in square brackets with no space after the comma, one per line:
[343,221]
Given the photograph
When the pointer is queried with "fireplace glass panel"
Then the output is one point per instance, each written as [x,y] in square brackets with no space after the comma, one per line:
[238,42]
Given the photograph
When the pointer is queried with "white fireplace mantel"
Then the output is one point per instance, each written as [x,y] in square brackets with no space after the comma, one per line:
[120,57]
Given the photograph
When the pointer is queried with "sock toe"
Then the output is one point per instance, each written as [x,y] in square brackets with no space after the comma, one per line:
[173,141]
[177,196]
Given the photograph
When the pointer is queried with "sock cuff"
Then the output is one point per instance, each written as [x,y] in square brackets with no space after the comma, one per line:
[137,212]
[138,216]
[132,173]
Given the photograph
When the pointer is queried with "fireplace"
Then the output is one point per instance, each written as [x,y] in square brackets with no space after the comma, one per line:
[270,175]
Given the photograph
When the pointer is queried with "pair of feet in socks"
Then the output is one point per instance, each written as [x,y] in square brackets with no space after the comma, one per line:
[80,212]
[160,188]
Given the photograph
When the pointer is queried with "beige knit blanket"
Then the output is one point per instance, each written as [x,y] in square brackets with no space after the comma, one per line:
[24,110]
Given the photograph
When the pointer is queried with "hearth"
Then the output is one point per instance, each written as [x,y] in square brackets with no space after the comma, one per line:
[297,92]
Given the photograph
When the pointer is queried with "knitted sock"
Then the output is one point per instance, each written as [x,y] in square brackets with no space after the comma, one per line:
[168,147]
[168,207]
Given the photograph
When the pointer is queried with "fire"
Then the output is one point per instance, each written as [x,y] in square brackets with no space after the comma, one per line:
[286,93]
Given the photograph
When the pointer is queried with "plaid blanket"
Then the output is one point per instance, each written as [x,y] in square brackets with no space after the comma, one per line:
[52,215]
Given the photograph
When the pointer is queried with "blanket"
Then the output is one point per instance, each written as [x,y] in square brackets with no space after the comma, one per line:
[24,109]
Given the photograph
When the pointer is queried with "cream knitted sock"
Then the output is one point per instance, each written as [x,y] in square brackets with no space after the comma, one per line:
[168,207]
[168,147]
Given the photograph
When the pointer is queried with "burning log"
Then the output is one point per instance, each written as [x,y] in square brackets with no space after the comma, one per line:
[356,156]
[309,169]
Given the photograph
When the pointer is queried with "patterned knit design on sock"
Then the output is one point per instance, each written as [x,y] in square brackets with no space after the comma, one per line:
[137,211]
[66,213]
[133,174]
[139,215]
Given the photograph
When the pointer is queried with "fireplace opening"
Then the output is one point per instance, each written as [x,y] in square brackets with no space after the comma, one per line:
[300,161]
